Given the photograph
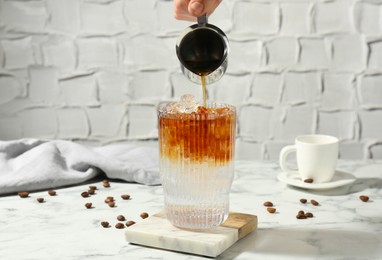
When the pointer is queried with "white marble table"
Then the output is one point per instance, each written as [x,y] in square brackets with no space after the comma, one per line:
[344,227]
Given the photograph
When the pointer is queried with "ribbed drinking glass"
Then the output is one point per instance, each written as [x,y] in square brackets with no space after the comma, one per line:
[197,163]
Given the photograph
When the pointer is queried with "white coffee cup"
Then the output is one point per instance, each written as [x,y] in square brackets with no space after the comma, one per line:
[316,157]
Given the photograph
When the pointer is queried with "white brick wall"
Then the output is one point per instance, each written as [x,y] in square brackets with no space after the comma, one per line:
[334,17]
[94,71]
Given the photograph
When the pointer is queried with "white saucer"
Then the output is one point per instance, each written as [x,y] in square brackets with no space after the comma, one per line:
[340,178]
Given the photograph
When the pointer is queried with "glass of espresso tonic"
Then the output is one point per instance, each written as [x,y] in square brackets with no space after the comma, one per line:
[196,146]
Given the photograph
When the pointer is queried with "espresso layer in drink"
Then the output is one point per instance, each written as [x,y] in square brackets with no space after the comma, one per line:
[204,135]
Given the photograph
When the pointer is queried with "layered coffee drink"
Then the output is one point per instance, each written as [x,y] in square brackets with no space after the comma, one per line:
[196,146]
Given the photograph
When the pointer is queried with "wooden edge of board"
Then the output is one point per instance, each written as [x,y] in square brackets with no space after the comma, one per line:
[244,223]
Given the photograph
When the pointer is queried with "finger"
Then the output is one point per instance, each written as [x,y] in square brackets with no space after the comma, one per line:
[185,16]
[211,6]
[196,7]
[200,7]
[181,10]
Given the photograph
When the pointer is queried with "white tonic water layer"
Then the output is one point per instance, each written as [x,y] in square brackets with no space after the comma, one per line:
[196,194]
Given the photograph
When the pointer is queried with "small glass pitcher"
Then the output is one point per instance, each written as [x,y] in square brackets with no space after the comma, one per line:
[202,50]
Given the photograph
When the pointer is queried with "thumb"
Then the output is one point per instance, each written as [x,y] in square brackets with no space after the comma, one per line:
[196,7]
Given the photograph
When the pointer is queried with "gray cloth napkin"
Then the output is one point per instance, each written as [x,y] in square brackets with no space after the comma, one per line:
[31,164]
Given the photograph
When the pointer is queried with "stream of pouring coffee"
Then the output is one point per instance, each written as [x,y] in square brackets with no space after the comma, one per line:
[204,89]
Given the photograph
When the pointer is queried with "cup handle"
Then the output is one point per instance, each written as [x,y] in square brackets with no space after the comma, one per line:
[283,159]
[202,20]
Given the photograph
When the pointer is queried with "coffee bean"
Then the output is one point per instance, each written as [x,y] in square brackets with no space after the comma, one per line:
[109,199]
[91,191]
[129,223]
[119,225]
[111,204]
[85,194]
[364,198]
[125,196]
[121,218]
[271,210]
[144,215]
[92,187]
[40,200]
[310,180]
[301,216]
[88,205]
[303,201]
[106,185]
[309,215]
[52,192]
[268,204]
[23,194]
[105,224]
[314,202]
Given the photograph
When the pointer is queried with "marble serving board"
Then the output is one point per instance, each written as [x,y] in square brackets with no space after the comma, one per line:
[157,231]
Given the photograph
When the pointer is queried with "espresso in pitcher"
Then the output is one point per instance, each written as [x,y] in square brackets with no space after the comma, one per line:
[199,55]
